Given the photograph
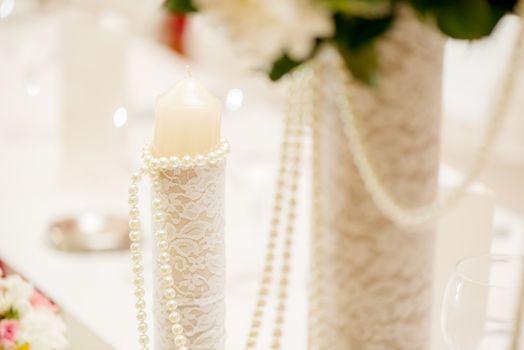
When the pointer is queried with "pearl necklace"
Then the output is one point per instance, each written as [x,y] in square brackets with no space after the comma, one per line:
[299,105]
[154,167]
[316,281]
[427,213]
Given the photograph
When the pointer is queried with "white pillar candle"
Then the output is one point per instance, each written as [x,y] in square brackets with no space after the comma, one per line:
[187,120]
[192,200]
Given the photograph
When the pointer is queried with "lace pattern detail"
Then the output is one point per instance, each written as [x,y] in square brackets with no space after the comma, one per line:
[193,200]
[378,277]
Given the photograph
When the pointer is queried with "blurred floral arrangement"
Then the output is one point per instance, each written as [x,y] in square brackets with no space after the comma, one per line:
[28,320]
[282,34]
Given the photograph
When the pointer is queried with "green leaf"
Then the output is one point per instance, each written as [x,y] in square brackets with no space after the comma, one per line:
[282,66]
[356,32]
[503,5]
[363,62]
[465,19]
[11,314]
[362,8]
[355,39]
[180,6]
[424,6]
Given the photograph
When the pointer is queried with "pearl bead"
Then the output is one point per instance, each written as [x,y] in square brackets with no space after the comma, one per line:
[134,212]
[169,293]
[136,177]
[142,327]
[133,189]
[134,224]
[163,246]
[156,184]
[175,162]
[133,200]
[158,216]
[134,248]
[136,257]
[200,160]
[140,304]
[139,292]
[187,162]
[141,316]
[134,236]
[168,281]
[143,339]
[174,317]
[137,268]
[180,340]
[177,329]
[171,305]
[165,269]
[144,170]
[155,163]
[161,235]
[183,348]
[164,257]
[139,281]
[157,204]
[164,163]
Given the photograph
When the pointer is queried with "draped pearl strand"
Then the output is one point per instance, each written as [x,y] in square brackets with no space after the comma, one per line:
[355,143]
[153,167]
[299,105]
[316,279]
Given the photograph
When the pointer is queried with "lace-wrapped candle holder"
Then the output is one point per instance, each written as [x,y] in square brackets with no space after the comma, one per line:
[188,202]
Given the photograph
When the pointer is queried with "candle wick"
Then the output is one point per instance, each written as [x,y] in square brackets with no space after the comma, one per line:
[188,70]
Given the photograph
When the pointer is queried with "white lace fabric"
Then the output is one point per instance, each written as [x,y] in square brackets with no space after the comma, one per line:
[193,200]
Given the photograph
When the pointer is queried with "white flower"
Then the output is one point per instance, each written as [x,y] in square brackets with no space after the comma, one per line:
[269,28]
[16,294]
[43,330]
[5,305]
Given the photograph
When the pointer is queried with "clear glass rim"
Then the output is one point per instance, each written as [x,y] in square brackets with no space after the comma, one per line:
[490,257]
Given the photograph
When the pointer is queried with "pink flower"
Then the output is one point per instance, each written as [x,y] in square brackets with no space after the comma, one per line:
[8,333]
[38,300]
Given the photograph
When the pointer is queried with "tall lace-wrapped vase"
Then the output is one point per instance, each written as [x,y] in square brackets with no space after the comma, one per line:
[193,200]
[376,277]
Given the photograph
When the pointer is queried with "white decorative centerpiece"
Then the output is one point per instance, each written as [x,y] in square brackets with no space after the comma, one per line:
[374,70]
[186,164]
